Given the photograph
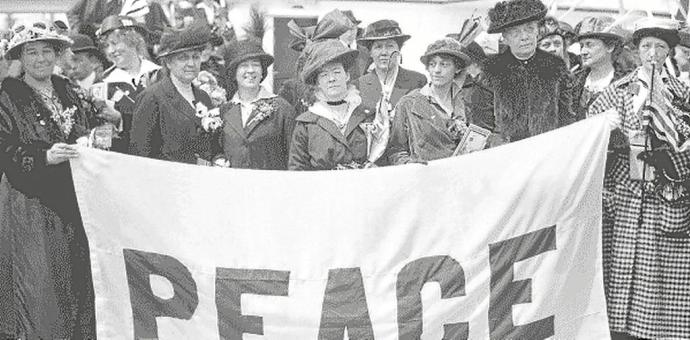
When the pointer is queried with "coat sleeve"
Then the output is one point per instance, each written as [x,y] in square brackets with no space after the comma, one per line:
[565,99]
[145,136]
[23,164]
[299,158]
[398,151]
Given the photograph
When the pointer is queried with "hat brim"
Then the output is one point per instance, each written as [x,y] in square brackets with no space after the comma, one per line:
[183,49]
[265,59]
[13,53]
[506,25]
[453,53]
[600,35]
[139,29]
[671,37]
[347,58]
[399,38]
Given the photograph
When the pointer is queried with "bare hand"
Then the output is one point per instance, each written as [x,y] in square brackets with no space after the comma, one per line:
[60,152]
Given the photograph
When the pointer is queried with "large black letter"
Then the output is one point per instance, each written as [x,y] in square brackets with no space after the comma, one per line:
[231,284]
[505,292]
[146,307]
[345,306]
[449,275]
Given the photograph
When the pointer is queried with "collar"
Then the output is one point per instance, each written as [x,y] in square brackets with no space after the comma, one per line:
[120,75]
[263,94]
[392,78]
[321,109]
[455,89]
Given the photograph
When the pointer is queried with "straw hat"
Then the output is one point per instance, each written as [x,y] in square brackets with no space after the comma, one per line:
[664,29]
[38,31]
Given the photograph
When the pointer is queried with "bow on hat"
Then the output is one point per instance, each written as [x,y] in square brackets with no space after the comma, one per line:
[334,24]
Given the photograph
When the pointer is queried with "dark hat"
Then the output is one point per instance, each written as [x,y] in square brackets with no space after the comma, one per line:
[447,46]
[194,37]
[115,22]
[59,24]
[318,54]
[38,31]
[383,30]
[684,38]
[348,13]
[475,52]
[243,50]
[548,27]
[664,29]
[334,24]
[511,13]
[603,27]
[82,43]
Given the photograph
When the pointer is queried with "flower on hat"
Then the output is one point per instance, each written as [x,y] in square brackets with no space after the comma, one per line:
[38,31]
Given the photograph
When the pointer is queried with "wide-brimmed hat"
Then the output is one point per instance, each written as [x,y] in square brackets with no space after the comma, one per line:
[602,27]
[446,46]
[511,13]
[38,31]
[383,30]
[115,22]
[334,24]
[664,29]
[475,52]
[318,54]
[84,43]
[243,50]
[195,37]
[684,38]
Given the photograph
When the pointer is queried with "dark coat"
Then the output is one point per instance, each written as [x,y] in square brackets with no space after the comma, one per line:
[530,97]
[260,145]
[45,277]
[479,103]
[580,104]
[318,144]
[369,86]
[165,126]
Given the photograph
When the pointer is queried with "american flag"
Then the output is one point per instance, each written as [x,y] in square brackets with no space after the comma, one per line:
[135,8]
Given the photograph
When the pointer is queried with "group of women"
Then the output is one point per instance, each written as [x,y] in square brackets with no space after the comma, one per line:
[160,112]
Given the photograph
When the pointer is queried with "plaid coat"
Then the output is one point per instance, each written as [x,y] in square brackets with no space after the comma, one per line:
[646,272]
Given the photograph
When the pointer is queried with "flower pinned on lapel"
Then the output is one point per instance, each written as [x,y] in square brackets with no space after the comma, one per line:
[210,119]
[262,110]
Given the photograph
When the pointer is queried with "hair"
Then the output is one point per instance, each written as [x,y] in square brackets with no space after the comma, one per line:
[131,38]
[459,63]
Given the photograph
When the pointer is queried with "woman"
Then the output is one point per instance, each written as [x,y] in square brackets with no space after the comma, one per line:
[337,132]
[174,120]
[646,228]
[258,124]
[429,122]
[601,41]
[44,256]
[124,44]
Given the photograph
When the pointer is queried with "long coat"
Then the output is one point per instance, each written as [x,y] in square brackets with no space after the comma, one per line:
[165,126]
[318,144]
[646,273]
[369,86]
[530,97]
[45,275]
[420,129]
[262,144]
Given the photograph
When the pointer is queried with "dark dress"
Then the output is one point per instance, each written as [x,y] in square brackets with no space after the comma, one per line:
[369,86]
[45,278]
[262,144]
[166,127]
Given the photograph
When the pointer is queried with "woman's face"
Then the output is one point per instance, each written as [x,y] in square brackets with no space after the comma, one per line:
[38,59]
[248,74]
[594,52]
[185,66]
[119,52]
[522,39]
[385,53]
[553,44]
[652,51]
[442,70]
[332,81]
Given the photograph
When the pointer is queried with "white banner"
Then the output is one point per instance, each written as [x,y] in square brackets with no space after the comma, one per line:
[500,244]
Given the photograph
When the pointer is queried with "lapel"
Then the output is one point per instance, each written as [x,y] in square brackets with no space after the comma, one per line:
[232,116]
[332,129]
[178,103]
[358,116]
[250,127]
